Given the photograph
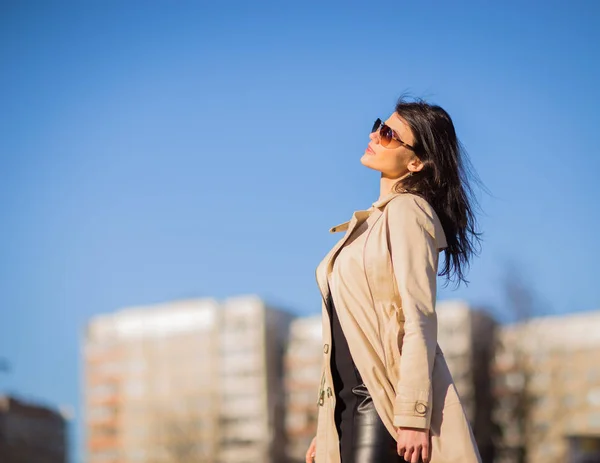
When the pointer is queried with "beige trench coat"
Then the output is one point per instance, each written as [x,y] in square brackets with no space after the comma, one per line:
[392,336]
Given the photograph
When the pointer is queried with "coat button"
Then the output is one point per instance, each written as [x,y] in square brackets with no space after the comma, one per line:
[420,408]
[326,348]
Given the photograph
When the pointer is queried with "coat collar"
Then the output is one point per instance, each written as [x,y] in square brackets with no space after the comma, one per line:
[386,199]
[376,205]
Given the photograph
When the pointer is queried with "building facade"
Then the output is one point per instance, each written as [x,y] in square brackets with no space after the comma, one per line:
[31,433]
[186,381]
[303,360]
[252,396]
[547,387]
[467,338]
[148,388]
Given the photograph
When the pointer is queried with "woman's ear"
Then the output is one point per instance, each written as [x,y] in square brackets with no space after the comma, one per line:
[415,164]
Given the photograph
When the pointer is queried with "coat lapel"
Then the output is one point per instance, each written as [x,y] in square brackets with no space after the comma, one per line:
[324,269]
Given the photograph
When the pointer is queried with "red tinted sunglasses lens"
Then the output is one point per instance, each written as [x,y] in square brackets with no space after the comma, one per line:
[385,133]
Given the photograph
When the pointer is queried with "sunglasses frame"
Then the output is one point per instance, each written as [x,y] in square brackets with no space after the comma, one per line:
[379,125]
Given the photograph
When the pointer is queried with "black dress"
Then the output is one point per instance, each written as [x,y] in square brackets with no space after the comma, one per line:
[363,436]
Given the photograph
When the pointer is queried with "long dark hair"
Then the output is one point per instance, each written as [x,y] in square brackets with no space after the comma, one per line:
[444,182]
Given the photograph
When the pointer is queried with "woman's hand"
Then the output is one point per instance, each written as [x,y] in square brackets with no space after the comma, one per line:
[413,444]
[312,450]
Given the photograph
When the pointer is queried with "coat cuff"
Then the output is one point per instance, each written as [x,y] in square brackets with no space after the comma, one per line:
[412,408]
[405,421]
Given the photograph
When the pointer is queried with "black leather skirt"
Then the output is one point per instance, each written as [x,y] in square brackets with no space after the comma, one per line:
[363,436]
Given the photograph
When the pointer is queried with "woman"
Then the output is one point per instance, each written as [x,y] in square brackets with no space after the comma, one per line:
[386,394]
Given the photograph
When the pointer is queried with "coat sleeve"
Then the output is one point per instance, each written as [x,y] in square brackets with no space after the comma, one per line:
[414,255]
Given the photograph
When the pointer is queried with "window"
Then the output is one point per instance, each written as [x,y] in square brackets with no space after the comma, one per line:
[594,374]
[101,413]
[569,400]
[594,420]
[104,455]
[593,397]
[103,390]
[135,388]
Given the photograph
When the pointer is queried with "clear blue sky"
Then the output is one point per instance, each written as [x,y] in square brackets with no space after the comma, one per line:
[154,151]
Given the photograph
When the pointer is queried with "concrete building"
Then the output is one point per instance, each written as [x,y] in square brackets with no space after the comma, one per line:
[303,361]
[455,336]
[31,433]
[186,381]
[547,387]
[467,338]
[252,395]
[149,383]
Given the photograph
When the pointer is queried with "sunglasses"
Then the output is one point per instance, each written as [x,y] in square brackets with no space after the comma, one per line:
[387,134]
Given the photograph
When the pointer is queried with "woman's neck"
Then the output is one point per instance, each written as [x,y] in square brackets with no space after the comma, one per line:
[386,184]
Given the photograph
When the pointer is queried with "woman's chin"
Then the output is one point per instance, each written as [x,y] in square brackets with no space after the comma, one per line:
[368,161]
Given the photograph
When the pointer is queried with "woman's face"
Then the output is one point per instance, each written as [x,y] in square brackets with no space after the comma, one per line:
[393,160]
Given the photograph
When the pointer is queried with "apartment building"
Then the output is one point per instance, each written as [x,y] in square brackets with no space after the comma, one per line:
[149,383]
[253,337]
[303,361]
[186,381]
[467,338]
[547,387]
[31,433]
[455,338]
